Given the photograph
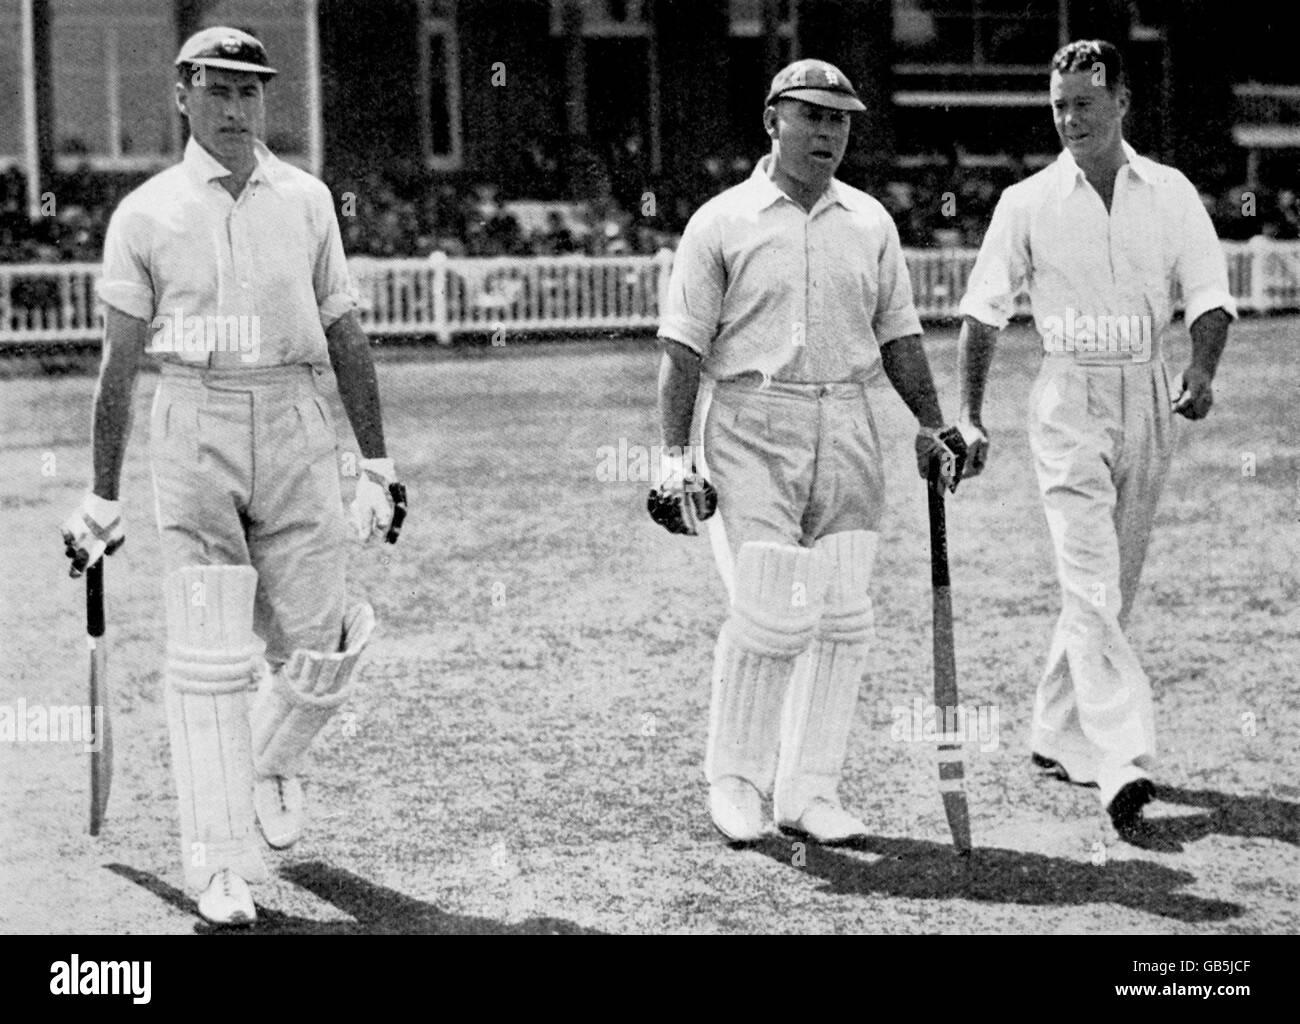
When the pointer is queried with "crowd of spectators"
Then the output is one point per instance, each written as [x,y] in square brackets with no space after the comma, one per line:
[477,220]
[423,214]
[74,214]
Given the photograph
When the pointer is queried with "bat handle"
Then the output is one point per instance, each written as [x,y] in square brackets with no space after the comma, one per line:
[938,529]
[95,599]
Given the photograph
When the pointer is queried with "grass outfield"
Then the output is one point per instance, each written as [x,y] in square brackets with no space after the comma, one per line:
[524,752]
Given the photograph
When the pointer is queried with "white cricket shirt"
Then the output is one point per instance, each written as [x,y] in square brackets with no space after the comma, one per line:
[758,286]
[1090,273]
[181,251]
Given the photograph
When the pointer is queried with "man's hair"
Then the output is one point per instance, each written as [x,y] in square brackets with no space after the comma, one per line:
[1094,56]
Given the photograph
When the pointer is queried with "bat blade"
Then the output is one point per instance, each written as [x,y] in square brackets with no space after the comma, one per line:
[952,771]
[101,745]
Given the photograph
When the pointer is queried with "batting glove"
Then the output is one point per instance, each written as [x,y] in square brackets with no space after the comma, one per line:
[379,507]
[683,497]
[91,532]
[977,447]
[945,450]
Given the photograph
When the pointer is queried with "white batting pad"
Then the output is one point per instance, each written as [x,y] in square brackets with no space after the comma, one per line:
[776,605]
[297,701]
[823,694]
[210,652]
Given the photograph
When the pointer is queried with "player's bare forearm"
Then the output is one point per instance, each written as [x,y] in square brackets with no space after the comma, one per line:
[908,370]
[125,338]
[354,369]
[1209,336]
[679,381]
[976,343]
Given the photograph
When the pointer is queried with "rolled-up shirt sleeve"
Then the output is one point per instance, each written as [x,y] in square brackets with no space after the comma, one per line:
[125,282]
[1001,268]
[896,315]
[330,279]
[1202,267]
[695,288]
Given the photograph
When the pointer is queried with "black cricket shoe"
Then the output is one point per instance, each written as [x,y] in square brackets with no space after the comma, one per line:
[1056,770]
[1049,767]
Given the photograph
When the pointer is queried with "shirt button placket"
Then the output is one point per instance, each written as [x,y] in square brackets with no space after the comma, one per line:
[816,292]
[240,253]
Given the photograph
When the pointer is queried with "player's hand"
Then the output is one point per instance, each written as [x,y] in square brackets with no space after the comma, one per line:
[683,497]
[977,447]
[91,532]
[944,448]
[379,508]
[1195,395]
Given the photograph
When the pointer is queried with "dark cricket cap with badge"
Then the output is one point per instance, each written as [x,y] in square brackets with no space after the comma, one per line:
[815,82]
[226,48]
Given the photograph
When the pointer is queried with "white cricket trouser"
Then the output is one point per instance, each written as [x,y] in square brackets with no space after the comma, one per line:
[245,472]
[1101,438]
[797,466]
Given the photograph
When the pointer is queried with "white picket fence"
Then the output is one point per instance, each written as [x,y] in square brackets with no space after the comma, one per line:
[440,297]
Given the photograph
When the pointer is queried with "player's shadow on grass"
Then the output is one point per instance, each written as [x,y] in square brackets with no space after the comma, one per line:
[376,910]
[1251,817]
[916,869]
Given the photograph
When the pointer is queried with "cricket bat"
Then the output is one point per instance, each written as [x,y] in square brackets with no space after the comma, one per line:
[951,770]
[101,743]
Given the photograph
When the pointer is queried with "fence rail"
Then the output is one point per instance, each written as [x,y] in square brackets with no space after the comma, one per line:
[439,297]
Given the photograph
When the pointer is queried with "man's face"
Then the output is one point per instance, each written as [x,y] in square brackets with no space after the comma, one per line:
[227,112]
[1087,114]
[811,140]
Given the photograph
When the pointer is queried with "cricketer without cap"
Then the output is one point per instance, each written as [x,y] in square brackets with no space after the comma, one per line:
[229,268]
[788,292]
[1098,239]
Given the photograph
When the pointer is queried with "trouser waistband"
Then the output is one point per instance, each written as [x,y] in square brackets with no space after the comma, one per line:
[296,375]
[797,390]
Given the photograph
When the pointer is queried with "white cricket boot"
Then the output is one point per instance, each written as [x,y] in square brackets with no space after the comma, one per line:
[736,808]
[227,901]
[827,823]
[280,808]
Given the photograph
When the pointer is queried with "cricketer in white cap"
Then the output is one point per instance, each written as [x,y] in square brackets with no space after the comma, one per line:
[228,269]
[788,293]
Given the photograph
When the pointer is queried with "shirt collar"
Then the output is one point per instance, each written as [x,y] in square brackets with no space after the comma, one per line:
[765,191]
[1069,173]
[203,167]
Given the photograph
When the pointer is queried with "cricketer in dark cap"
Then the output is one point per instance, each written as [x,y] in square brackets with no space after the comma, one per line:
[816,82]
[807,117]
[244,459]
[227,48]
[788,293]
[222,73]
